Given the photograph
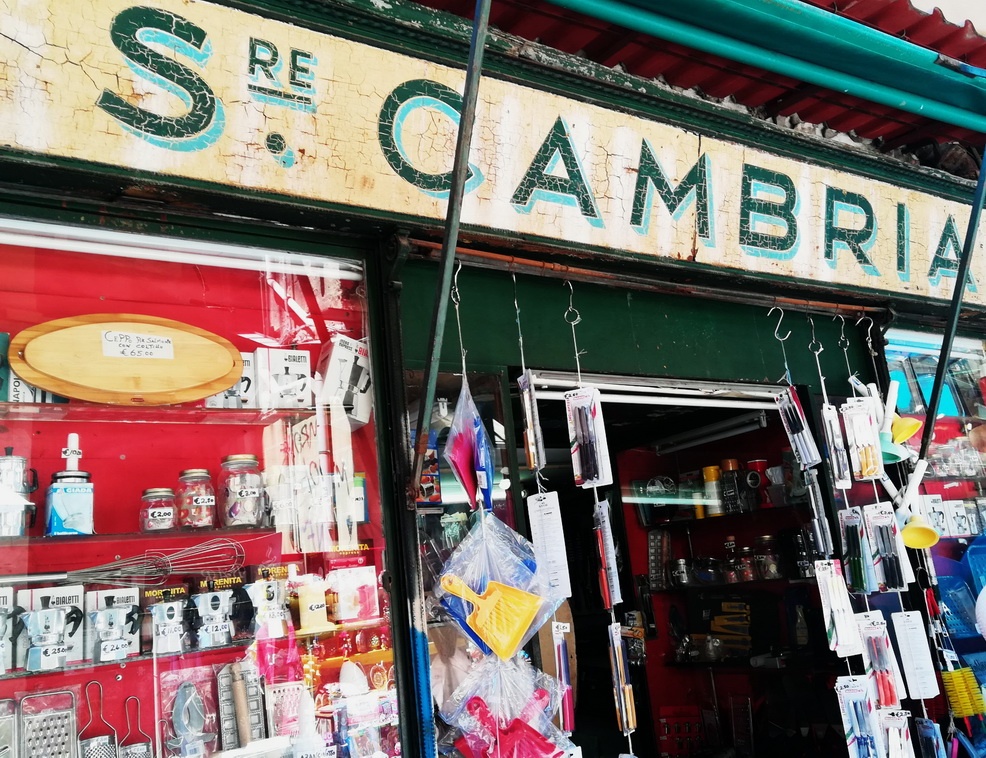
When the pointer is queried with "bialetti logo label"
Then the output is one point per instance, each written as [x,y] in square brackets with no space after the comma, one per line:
[57,600]
[295,358]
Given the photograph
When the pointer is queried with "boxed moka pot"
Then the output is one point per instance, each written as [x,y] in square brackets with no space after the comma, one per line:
[164,628]
[9,623]
[112,624]
[284,378]
[53,633]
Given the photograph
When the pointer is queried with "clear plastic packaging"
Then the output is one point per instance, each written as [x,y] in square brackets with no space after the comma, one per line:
[188,700]
[196,499]
[493,589]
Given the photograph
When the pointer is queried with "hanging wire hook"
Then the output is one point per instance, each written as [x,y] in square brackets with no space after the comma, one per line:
[777,328]
[456,299]
[844,346]
[573,317]
[787,369]
[520,332]
[816,348]
[869,344]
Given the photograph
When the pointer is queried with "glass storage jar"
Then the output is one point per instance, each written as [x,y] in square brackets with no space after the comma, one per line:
[157,510]
[241,484]
[768,559]
[196,499]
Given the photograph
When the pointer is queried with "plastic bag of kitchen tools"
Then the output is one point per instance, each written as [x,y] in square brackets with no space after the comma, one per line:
[461,445]
[494,589]
[190,723]
[505,708]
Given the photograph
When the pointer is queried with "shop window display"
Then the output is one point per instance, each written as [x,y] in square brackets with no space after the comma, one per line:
[190,511]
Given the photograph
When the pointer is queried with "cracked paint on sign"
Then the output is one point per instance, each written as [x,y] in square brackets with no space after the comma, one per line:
[204,92]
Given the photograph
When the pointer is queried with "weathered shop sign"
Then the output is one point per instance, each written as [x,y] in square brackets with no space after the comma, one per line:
[205,92]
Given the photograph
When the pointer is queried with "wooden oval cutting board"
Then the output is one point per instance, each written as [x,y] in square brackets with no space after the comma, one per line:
[125,359]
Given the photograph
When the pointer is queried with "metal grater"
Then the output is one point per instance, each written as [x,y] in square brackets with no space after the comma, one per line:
[253,699]
[8,729]
[98,747]
[49,732]
[282,708]
[140,743]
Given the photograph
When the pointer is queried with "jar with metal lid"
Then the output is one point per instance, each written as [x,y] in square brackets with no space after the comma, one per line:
[241,484]
[157,510]
[196,499]
[768,561]
[746,570]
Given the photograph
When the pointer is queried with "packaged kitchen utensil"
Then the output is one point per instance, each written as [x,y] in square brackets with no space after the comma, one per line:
[533,438]
[188,703]
[97,739]
[864,738]
[70,495]
[493,588]
[240,705]
[460,447]
[859,416]
[112,624]
[796,426]
[587,438]
[879,659]
[47,725]
[53,631]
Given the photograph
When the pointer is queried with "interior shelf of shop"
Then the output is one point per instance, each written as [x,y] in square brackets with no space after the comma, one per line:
[365,659]
[47,555]
[698,586]
[760,514]
[78,411]
[978,479]
[187,660]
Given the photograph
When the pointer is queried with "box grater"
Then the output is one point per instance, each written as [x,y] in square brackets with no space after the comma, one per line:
[47,725]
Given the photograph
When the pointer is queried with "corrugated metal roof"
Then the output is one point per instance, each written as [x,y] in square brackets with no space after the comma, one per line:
[765,94]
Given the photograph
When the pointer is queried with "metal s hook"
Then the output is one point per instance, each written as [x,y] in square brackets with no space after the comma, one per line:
[843,339]
[777,328]
[454,294]
[869,334]
[572,315]
[814,346]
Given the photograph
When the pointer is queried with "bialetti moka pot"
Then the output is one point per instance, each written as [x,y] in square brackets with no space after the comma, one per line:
[214,610]
[46,630]
[111,626]
[17,481]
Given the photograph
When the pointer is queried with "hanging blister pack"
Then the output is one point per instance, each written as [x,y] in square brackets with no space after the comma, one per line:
[880,661]
[857,558]
[864,738]
[836,447]
[889,560]
[841,629]
[896,733]
[929,738]
[796,426]
[533,438]
[609,576]
[859,416]
[587,438]
[626,713]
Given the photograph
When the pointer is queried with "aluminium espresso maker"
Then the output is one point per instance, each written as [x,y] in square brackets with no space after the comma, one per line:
[17,481]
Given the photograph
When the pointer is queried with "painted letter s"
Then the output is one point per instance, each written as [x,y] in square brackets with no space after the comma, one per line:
[132,32]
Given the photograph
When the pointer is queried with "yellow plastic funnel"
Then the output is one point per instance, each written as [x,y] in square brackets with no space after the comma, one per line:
[918,533]
[903,428]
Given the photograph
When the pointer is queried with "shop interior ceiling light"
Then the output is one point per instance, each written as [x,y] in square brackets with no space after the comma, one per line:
[748,422]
